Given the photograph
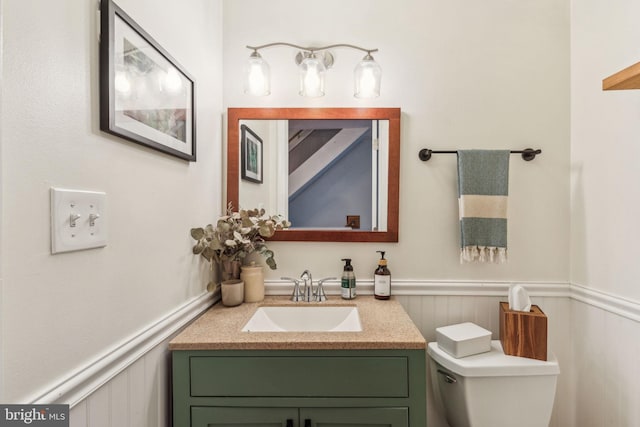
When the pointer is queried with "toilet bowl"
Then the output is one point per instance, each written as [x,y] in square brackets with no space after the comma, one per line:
[493,389]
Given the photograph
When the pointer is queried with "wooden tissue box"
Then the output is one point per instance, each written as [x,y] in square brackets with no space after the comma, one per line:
[523,334]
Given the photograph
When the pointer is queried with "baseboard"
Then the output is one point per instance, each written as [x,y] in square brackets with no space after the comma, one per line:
[79,384]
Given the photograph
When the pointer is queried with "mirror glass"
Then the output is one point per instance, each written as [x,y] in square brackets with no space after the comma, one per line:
[333,173]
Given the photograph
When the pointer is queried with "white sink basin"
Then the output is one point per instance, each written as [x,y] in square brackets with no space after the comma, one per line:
[303,319]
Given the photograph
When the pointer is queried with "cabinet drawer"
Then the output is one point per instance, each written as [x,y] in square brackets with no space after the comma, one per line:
[204,416]
[284,376]
[354,417]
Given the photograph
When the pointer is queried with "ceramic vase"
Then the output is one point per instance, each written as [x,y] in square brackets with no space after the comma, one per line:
[253,278]
[232,292]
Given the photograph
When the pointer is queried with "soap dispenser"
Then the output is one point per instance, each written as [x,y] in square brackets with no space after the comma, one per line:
[348,283]
[382,279]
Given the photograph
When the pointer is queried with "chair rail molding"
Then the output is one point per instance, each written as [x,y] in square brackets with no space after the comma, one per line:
[437,287]
[81,383]
[603,300]
[606,301]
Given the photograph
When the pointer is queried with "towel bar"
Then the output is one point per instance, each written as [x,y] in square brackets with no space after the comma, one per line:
[528,154]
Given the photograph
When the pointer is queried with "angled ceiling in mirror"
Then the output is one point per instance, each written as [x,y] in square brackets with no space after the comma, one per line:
[265,142]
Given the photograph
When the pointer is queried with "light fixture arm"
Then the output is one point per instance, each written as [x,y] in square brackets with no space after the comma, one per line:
[310,48]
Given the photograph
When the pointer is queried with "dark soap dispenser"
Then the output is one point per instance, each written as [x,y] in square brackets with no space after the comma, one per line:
[382,279]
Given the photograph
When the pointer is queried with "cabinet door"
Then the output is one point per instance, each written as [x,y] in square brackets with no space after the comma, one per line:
[354,417]
[202,416]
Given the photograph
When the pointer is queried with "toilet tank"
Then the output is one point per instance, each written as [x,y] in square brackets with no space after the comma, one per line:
[493,389]
[448,387]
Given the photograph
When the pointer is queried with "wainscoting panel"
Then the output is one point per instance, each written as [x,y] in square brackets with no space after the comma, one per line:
[595,337]
[119,398]
[139,396]
[99,407]
[78,415]
[136,390]
[607,366]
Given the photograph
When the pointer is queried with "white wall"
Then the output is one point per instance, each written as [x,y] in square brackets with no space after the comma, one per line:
[466,75]
[605,197]
[60,311]
[605,206]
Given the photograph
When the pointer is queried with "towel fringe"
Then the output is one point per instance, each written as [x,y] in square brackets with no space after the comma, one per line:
[483,254]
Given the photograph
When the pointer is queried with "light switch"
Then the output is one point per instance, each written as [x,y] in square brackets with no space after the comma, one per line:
[78,220]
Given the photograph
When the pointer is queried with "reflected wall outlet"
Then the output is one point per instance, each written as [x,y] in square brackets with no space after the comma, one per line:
[78,220]
[353,221]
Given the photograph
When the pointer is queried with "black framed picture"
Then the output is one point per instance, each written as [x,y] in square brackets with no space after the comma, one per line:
[250,155]
[145,95]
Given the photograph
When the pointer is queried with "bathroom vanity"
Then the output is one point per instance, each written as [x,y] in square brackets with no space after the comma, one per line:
[376,377]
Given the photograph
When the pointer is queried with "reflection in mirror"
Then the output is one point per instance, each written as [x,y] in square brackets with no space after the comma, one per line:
[332,172]
[320,174]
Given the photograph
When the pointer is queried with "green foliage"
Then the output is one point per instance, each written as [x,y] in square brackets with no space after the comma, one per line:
[237,235]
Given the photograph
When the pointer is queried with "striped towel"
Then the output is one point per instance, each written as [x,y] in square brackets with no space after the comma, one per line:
[483,187]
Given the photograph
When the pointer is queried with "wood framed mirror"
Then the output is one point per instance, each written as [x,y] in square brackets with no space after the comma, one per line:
[281,158]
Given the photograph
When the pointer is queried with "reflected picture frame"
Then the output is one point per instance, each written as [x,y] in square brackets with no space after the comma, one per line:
[146,96]
[250,155]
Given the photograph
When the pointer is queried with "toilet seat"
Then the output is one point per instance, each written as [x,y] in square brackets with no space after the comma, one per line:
[493,363]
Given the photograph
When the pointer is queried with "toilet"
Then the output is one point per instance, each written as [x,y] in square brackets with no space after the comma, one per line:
[493,389]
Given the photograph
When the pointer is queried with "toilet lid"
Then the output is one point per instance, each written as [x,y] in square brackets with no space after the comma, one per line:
[493,363]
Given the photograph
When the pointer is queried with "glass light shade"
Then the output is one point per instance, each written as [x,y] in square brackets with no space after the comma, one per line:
[312,72]
[367,76]
[257,76]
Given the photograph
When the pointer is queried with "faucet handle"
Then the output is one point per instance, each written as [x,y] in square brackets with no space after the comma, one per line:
[297,295]
[319,295]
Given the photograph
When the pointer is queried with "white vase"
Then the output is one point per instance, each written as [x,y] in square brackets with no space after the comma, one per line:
[232,292]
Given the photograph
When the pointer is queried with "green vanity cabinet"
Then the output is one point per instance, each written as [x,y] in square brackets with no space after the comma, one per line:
[299,388]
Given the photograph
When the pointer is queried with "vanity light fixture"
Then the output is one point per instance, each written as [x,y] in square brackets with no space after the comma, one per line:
[313,63]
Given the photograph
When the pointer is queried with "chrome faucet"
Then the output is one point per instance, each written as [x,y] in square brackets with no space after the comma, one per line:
[297,295]
[319,295]
[307,290]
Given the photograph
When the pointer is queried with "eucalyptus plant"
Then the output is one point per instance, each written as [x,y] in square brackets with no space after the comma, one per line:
[237,235]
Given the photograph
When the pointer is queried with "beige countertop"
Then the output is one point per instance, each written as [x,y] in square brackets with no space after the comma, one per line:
[385,325]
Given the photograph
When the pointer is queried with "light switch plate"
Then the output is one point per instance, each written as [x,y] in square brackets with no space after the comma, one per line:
[78,220]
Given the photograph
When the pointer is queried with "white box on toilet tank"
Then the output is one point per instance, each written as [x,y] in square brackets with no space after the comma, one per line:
[463,339]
